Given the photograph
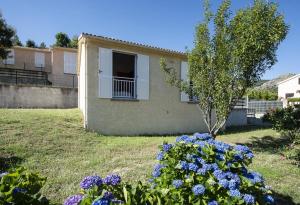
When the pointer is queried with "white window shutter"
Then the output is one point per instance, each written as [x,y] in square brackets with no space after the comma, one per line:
[10,60]
[39,60]
[70,62]
[142,77]
[105,73]
[184,77]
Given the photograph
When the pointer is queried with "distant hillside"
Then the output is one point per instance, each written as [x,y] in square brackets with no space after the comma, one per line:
[272,84]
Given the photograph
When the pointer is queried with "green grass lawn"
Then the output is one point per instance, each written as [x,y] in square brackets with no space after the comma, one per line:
[54,143]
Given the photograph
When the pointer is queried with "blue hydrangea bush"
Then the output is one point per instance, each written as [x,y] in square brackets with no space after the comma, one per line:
[194,170]
[200,170]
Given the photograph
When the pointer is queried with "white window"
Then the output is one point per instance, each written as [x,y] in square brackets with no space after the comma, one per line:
[123,75]
[70,62]
[10,59]
[39,60]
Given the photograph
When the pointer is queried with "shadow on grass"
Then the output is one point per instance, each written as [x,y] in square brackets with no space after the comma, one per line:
[8,162]
[241,129]
[281,199]
[268,144]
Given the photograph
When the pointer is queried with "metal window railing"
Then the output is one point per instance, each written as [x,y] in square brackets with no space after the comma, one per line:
[124,87]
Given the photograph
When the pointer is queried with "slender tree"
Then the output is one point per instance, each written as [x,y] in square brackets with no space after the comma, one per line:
[62,40]
[74,42]
[42,45]
[30,43]
[16,41]
[6,35]
[231,57]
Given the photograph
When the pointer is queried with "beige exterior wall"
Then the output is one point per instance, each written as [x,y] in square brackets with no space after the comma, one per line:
[290,86]
[25,59]
[163,113]
[57,76]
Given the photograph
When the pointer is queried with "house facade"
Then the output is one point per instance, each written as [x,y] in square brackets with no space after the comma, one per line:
[57,65]
[289,88]
[122,89]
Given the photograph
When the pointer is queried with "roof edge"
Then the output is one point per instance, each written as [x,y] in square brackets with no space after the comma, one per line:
[290,78]
[87,35]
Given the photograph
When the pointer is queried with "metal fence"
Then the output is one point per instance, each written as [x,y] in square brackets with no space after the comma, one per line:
[263,106]
[123,87]
[18,76]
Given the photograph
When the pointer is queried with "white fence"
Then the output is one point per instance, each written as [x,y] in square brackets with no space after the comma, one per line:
[262,107]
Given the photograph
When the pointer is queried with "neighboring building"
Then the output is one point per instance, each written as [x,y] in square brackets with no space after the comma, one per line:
[289,88]
[54,66]
[122,90]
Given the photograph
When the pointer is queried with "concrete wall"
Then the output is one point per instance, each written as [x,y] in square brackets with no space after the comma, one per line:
[25,59]
[163,113]
[57,76]
[238,117]
[17,96]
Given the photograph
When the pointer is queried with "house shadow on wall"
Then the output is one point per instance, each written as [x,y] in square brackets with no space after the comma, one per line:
[8,162]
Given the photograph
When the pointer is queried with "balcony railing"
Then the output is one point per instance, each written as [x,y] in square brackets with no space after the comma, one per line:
[124,87]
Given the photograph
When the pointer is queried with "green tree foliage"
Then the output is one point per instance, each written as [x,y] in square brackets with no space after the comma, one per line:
[6,35]
[16,41]
[231,57]
[62,40]
[262,94]
[42,45]
[74,42]
[30,43]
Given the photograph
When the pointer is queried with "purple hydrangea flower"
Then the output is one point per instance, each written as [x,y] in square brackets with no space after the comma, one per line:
[108,195]
[198,189]
[101,202]
[160,156]
[249,199]
[90,181]
[112,179]
[177,183]
[167,147]
[73,200]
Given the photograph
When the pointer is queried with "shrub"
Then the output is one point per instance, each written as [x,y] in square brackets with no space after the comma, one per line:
[193,170]
[21,186]
[201,170]
[286,120]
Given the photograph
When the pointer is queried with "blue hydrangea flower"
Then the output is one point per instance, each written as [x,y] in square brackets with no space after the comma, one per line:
[112,179]
[201,171]
[232,184]
[235,193]
[73,200]
[220,157]
[198,189]
[184,138]
[249,199]
[249,155]
[242,148]
[3,174]
[221,147]
[212,203]
[19,190]
[117,201]
[167,147]
[177,183]
[193,167]
[238,156]
[224,183]
[108,195]
[201,143]
[90,181]
[269,199]
[160,156]
[101,202]
[184,165]
[157,170]
[219,174]
[254,177]
[202,136]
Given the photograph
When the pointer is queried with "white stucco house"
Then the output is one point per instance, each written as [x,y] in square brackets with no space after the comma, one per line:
[289,88]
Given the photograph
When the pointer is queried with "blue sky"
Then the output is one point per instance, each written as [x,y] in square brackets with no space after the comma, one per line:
[163,23]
